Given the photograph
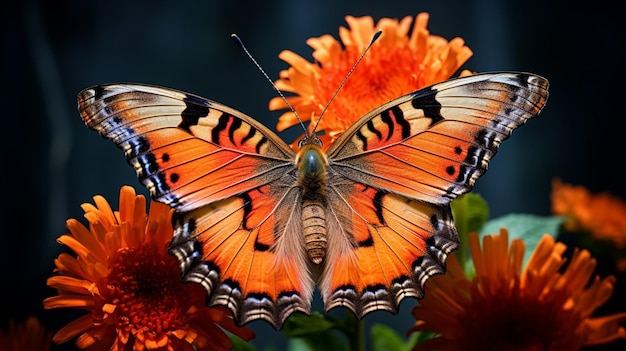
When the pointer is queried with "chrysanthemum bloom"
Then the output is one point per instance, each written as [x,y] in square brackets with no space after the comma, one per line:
[123,275]
[507,307]
[397,64]
[29,335]
[603,215]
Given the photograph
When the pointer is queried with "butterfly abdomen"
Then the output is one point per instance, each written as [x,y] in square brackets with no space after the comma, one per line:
[312,177]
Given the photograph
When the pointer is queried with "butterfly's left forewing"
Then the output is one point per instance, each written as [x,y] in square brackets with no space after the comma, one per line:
[187,150]
[393,174]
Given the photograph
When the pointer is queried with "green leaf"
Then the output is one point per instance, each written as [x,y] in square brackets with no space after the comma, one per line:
[470,212]
[301,324]
[318,342]
[527,227]
[297,344]
[239,344]
[386,339]
[418,337]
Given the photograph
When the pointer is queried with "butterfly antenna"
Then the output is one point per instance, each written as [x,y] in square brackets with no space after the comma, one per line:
[345,79]
[243,47]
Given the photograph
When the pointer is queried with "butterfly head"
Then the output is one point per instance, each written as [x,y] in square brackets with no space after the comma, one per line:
[311,139]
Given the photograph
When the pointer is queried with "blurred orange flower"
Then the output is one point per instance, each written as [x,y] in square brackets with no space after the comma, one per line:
[123,275]
[543,306]
[396,65]
[26,336]
[602,215]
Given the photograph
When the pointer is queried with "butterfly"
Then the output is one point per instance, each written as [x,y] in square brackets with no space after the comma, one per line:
[367,222]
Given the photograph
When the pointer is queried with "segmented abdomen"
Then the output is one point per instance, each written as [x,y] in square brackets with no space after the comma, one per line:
[314,229]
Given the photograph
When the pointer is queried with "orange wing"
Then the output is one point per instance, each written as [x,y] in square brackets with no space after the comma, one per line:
[232,183]
[187,150]
[393,174]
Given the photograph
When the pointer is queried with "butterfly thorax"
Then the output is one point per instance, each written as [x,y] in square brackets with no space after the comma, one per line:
[311,164]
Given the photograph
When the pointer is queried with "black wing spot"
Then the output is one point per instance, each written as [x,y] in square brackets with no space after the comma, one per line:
[250,135]
[260,246]
[431,107]
[371,128]
[485,138]
[197,247]
[462,177]
[399,280]
[222,122]
[434,221]
[148,164]
[369,242]
[458,150]
[450,170]
[398,115]
[138,145]
[247,208]
[236,124]
[417,263]
[165,157]
[385,118]
[174,177]
[195,110]
[210,265]
[260,144]
[378,205]
[430,242]
[98,92]
[362,139]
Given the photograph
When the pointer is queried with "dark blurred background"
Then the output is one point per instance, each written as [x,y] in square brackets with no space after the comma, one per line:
[51,50]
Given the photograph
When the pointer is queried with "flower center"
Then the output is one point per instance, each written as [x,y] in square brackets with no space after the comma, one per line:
[144,284]
[381,76]
[517,322]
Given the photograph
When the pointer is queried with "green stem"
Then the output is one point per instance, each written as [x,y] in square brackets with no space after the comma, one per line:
[355,334]
[459,213]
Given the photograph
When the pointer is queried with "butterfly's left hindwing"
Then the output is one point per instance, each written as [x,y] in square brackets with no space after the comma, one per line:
[241,250]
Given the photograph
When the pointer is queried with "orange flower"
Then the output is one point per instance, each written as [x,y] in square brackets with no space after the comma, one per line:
[123,275]
[505,307]
[29,335]
[396,65]
[602,215]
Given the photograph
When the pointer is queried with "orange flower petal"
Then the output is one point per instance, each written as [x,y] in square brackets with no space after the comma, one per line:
[120,261]
[395,65]
[513,307]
